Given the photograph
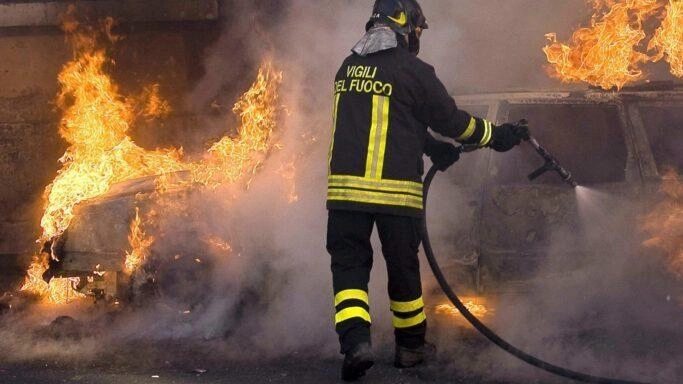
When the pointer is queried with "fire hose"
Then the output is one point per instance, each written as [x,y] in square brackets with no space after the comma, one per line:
[551,164]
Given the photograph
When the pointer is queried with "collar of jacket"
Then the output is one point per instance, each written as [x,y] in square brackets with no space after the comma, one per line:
[378,38]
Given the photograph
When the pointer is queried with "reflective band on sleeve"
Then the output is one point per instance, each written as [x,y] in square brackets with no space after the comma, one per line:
[488,133]
[377,141]
[334,130]
[408,187]
[351,294]
[409,322]
[350,313]
[371,197]
[469,131]
[407,306]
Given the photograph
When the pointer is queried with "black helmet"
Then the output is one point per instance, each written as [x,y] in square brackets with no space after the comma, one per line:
[403,16]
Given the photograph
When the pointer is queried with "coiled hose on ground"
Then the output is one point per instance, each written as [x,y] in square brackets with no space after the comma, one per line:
[483,329]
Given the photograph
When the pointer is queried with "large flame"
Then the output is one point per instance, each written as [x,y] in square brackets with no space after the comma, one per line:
[95,122]
[668,39]
[606,53]
[665,223]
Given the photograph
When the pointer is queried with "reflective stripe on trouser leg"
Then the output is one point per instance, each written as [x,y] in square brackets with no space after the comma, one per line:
[352,319]
[408,314]
[351,304]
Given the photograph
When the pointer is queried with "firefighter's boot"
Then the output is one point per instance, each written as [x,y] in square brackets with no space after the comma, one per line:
[356,361]
[410,357]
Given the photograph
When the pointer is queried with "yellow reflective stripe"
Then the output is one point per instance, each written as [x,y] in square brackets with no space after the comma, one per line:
[377,141]
[407,306]
[350,313]
[334,129]
[351,294]
[379,169]
[409,322]
[374,198]
[377,185]
[383,184]
[372,139]
[488,133]
[469,131]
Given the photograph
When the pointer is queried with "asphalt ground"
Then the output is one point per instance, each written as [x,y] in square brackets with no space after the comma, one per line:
[186,367]
[34,350]
[291,370]
[41,352]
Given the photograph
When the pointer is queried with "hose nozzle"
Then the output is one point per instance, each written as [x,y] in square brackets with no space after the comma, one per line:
[551,164]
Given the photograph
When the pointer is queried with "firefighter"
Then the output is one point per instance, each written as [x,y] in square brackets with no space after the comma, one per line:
[385,98]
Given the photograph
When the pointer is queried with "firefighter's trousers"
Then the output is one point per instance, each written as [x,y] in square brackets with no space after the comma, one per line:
[348,242]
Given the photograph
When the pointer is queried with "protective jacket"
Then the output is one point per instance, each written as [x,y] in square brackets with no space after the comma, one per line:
[383,104]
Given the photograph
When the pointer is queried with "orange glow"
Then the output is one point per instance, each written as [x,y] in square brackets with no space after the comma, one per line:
[668,39]
[475,305]
[150,104]
[665,223]
[95,123]
[288,173]
[218,243]
[606,53]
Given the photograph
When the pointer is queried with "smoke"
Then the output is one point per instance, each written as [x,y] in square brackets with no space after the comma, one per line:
[272,295]
[602,303]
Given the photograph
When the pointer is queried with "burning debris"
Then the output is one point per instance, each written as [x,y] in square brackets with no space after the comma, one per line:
[96,120]
[610,52]
[476,305]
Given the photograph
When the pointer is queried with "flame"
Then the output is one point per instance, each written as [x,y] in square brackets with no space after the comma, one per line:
[140,245]
[475,305]
[231,158]
[668,39]
[665,223]
[604,54]
[95,123]
[34,282]
[57,291]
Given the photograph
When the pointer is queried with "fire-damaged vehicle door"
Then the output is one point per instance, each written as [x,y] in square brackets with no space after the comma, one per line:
[455,206]
[519,220]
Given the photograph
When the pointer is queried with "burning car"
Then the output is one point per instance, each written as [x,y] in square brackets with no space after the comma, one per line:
[100,207]
[621,143]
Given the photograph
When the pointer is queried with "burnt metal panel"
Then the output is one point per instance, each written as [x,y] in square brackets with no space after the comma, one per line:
[48,13]
[98,234]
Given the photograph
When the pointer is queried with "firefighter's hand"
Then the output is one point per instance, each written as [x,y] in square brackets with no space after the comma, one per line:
[443,155]
[508,136]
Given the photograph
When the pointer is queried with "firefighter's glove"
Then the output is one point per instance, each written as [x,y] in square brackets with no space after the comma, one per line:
[508,136]
[443,155]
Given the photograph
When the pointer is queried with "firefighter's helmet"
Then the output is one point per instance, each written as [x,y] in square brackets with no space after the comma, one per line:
[403,16]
